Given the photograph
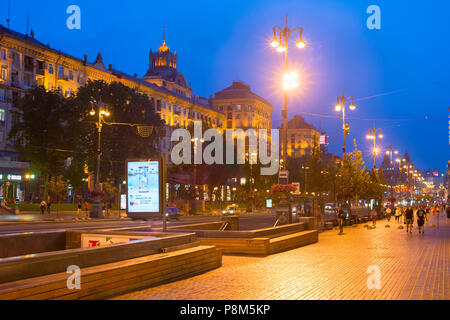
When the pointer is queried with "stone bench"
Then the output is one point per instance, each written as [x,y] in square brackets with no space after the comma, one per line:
[294,240]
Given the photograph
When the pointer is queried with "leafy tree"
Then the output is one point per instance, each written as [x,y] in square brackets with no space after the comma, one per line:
[41,131]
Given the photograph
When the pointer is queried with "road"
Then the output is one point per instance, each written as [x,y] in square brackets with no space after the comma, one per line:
[247,222]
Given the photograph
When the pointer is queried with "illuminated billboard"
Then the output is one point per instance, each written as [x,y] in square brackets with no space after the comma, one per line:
[144,192]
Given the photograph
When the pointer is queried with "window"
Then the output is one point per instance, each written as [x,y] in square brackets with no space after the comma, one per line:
[4,73]
[61,72]
[3,54]
[50,68]
[2,134]
[2,94]
[238,116]
[2,115]
[230,115]
[70,75]
[238,107]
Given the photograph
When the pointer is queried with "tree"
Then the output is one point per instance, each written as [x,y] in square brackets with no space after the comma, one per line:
[41,131]
[57,189]
[118,142]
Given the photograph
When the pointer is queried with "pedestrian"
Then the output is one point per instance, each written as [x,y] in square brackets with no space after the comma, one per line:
[42,206]
[374,218]
[79,209]
[421,213]
[388,214]
[398,213]
[427,213]
[409,213]
[341,218]
[48,206]
[103,208]
[86,208]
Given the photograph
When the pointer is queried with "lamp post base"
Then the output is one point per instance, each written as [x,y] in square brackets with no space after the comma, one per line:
[97,210]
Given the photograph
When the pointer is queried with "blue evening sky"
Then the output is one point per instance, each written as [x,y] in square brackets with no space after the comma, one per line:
[408,60]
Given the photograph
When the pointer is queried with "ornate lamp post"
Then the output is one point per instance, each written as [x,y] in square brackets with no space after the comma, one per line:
[102,112]
[372,134]
[280,42]
[340,106]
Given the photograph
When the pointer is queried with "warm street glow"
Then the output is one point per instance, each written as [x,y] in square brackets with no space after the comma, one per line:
[290,80]
[338,107]
[301,44]
[275,43]
[280,49]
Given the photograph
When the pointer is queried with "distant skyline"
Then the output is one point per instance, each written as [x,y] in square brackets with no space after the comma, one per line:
[399,75]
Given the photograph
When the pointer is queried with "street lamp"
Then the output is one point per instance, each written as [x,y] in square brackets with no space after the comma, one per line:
[280,43]
[372,134]
[340,106]
[102,112]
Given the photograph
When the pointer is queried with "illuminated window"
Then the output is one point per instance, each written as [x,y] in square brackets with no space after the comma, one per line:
[2,115]
[4,73]
[2,94]
[70,75]
[3,54]
[50,68]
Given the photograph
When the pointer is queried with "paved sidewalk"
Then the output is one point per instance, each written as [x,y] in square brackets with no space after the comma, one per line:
[411,266]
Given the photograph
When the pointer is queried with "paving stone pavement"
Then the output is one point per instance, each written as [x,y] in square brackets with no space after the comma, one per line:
[412,266]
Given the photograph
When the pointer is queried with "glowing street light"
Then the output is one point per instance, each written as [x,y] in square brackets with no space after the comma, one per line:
[280,42]
[340,106]
[290,80]
[372,134]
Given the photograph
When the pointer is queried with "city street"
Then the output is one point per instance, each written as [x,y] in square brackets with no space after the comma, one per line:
[8,225]
[411,266]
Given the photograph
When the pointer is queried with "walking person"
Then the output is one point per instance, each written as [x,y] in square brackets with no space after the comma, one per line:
[86,208]
[374,218]
[388,214]
[79,209]
[398,213]
[409,213]
[427,214]
[421,213]
[48,206]
[42,206]
[341,218]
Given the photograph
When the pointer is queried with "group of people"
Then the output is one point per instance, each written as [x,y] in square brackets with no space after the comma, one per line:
[422,214]
[45,205]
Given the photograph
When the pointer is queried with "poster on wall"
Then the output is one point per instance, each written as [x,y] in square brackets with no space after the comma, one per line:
[144,189]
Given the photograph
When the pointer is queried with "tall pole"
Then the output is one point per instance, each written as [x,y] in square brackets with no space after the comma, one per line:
[99,126]
[280,42]
[343,132]
[163,205]
[374,151]
[285,124]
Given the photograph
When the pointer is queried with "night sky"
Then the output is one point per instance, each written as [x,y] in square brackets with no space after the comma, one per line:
[406,64]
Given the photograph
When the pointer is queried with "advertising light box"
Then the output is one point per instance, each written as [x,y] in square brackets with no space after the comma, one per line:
[144,187]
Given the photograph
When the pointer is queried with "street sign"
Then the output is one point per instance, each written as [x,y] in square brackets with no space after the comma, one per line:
[283,177]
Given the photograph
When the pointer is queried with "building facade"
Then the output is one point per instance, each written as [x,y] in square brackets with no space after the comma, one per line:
[26,62]
[243,108]
[302,136]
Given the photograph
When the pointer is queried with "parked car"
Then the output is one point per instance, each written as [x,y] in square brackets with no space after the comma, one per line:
[172,213]
[232,209]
